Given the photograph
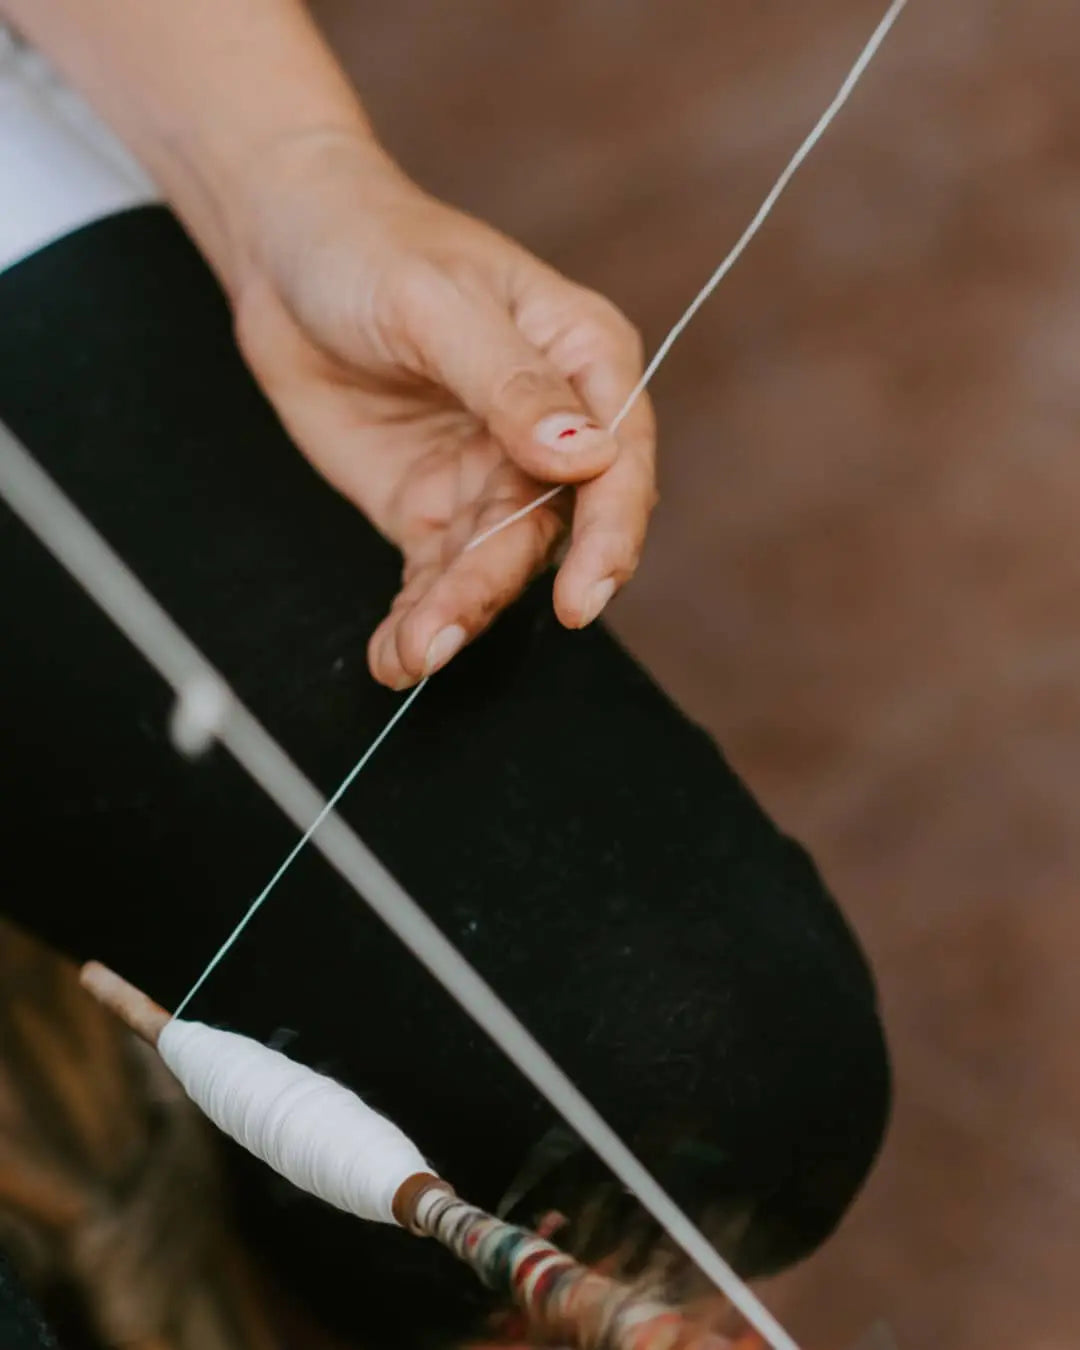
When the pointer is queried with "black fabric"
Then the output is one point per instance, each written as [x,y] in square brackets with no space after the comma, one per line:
[586,847]
[21,1324]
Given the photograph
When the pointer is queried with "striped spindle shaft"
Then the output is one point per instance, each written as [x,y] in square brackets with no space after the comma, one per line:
[562,1301]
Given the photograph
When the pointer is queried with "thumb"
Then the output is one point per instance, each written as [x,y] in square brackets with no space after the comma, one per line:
[472,346]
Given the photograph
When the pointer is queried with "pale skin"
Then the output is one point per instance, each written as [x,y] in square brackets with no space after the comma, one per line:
[434,372]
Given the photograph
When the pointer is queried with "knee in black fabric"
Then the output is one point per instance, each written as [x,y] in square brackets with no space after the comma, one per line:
[765,1102]
[761,1226]
[824,1136]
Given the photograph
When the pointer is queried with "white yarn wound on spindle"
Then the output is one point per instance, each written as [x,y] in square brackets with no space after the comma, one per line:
[309,1129]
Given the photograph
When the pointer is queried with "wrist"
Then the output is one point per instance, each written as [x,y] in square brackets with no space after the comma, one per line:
[204,92]
[282,188]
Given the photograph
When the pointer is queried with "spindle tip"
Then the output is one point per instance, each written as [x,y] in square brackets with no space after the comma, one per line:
[131,1005]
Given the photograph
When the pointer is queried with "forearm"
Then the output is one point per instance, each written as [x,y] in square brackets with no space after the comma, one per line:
[206,93]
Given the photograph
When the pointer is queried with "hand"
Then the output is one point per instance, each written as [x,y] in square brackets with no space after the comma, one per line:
[441,377]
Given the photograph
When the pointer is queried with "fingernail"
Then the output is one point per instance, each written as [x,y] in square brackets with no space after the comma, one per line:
[568,432]
[596,599]
[443,646]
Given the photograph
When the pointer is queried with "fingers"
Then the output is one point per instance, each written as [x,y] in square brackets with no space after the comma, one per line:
[446,602]
[611,519]
[470,344]
[546,377]
[533,409]
[611,513]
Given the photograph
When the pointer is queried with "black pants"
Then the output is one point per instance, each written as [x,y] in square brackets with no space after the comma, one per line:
[584,845]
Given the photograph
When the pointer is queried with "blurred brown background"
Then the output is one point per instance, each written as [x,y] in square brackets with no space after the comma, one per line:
[865,574]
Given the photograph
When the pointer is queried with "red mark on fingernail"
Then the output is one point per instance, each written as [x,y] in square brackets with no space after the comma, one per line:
[570,431]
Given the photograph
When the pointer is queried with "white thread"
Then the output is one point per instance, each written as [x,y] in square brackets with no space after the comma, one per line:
[305,1126]
[519,514]
[300,844]
[74,542]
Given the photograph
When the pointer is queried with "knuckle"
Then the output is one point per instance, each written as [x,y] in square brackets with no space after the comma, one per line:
[416,297]
[613,327]
[416,284]
[525,385]
[482,598]
[626,564]
[618,554]
[598,307]
[633,341]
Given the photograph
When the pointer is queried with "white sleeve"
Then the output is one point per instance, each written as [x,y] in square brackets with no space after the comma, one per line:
[60,167]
